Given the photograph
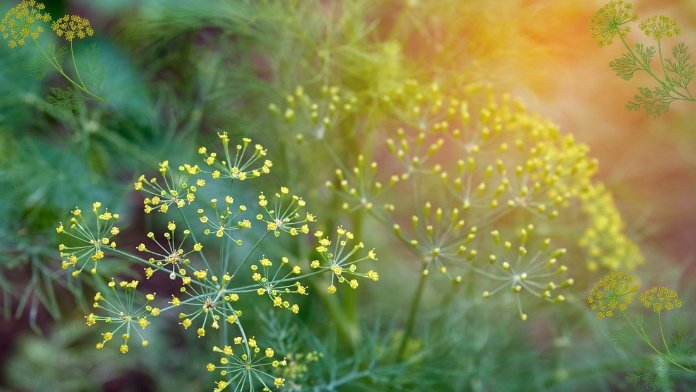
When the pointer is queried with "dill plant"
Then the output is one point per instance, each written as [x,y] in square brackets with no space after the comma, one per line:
[510,223]
[613,294]
[494,213]
[673,74]
[211,288]
[25,22]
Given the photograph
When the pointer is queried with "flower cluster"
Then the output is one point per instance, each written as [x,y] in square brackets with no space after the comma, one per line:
[525,267]
[245,164]
[278,281]
[225,221]
[361,187]
[439,237]
[212,265]
[169,256]
[88,239]
[611,21]
[284,215]
[71,27]
[604,239]
[22,22]
[253,367]
[119,311]
[658,299]
[340,261]
[512,168]
[612,293]
[313,117]
[659,27]
[175,190]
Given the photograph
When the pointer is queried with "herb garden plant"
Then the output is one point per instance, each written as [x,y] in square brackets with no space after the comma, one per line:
[300,196]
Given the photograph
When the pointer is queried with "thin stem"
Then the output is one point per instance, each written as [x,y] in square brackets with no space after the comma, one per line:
[250,252]
[140,260]
[56,65]
[662,334]
[646,339]
[411,320]
[646,68]
[350,298]
[77,71]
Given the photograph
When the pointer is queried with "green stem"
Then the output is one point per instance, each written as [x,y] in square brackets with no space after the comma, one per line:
[256,245]
[140,260]
[348,331]
[662,334]
[77,70]
[646,68]
[350,297]
[646,339]
[411,320]
[56,65]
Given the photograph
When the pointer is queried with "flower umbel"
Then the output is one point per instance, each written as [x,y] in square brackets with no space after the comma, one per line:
[22,22]
[90,239]
[611,21]
[658,299]
[285,214]
[253,367]
[340,261]
[613,292]
[176,191]
[659,27]
[248,162]
[71,27]
[119,309]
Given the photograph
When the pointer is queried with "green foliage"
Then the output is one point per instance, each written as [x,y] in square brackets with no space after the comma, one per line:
[612,21]
[482,212]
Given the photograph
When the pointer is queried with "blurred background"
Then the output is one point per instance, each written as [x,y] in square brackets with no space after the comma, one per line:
[175,73]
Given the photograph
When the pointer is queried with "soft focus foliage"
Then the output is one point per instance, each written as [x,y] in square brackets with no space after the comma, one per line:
[342,196]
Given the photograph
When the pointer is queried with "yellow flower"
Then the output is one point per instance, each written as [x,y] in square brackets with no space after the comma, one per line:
[613,292]
[71,27]
[660,298]
[659,27]
[21,22]
[611,21]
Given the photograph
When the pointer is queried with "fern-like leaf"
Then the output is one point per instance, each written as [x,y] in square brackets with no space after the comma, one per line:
[68,98]
[681,72]
[646,53]
[654,102]
[625,66]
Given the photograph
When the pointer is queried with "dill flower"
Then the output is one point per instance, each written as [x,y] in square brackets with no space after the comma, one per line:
[22,22]
[71,27]
[253,367]
[208,303]
[275,283]
[658,299]
[611,21]
[245,163]
[88,240]
[175,191]
[526,268]
[415,153]
[612,293]
[170,255]
[603,239]
[361,188]
[226,221]
[338,259]
[284,214]
[119,311]
[314,116]
[440,237]
[659,27]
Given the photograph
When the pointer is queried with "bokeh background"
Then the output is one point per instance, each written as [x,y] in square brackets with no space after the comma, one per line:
[164,99]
